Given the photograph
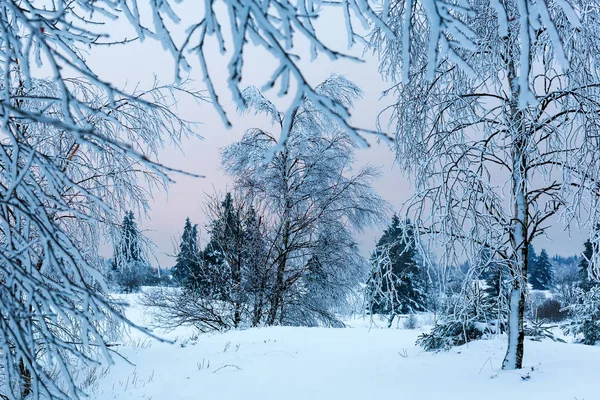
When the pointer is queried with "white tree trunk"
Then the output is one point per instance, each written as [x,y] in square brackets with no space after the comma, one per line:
[518,234]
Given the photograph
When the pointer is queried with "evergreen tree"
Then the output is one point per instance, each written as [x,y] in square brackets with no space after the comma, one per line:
[218,271]
[531,261]
[257,277]
[188,258]
[495,282]
[227,234]
[542,276]
[496,292]
[129,244]
[212,279]
[129,269]
[396,284]
[584,266]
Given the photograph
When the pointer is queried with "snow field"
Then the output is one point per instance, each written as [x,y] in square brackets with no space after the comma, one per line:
[353,363]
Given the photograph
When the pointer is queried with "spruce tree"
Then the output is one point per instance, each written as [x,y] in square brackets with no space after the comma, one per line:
[531,261]
[396,284]
[129,269]
[187,266]
[542,276]
[220,269]
[256,275]
[495,282]
[228,234]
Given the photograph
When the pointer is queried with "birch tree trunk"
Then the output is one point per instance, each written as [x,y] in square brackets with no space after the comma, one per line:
[518,267]
[518,235]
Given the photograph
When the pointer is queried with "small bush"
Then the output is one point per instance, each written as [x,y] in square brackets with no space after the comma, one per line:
[411,322]
[551,310]
[443,336]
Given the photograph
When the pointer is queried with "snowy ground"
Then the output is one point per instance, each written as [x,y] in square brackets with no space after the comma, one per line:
[354,363]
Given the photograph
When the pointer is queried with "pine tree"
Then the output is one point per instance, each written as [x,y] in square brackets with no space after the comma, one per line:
[188,259]
[542,276]
[227,233]
[257,276]
[396,284]
[129,268]
[495,282]
[129,244]
[531,260]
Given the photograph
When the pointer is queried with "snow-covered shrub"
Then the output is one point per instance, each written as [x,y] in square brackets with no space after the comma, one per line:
[174,307]
[585,325]
[450,333]
[411,322]
[469,315]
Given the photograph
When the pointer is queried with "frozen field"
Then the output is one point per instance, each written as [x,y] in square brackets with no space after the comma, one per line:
[361,362]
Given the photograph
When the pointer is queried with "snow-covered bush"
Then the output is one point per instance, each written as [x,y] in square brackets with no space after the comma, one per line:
[470,314]
[411,322]
[130,278]
[585,325]
[449,333]
[174,307]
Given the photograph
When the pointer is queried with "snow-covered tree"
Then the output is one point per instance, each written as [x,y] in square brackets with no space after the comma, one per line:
[497,153]
[397,283]
[129,268]
[586,270]
[73,151]
[64,176]
[311,199]
[531,259]
[257,276]
[566,282]
[188,258]
[227,235]
[542,274]
[585,317]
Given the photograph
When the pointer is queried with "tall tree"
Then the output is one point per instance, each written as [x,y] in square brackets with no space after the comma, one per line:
[585,268]
[532,258]
[188,258]
[311,198]
[257,274]
[542,276]
[68,174]
[511,123]
[227,235]
[128,247]
[130,268]
[396,284]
